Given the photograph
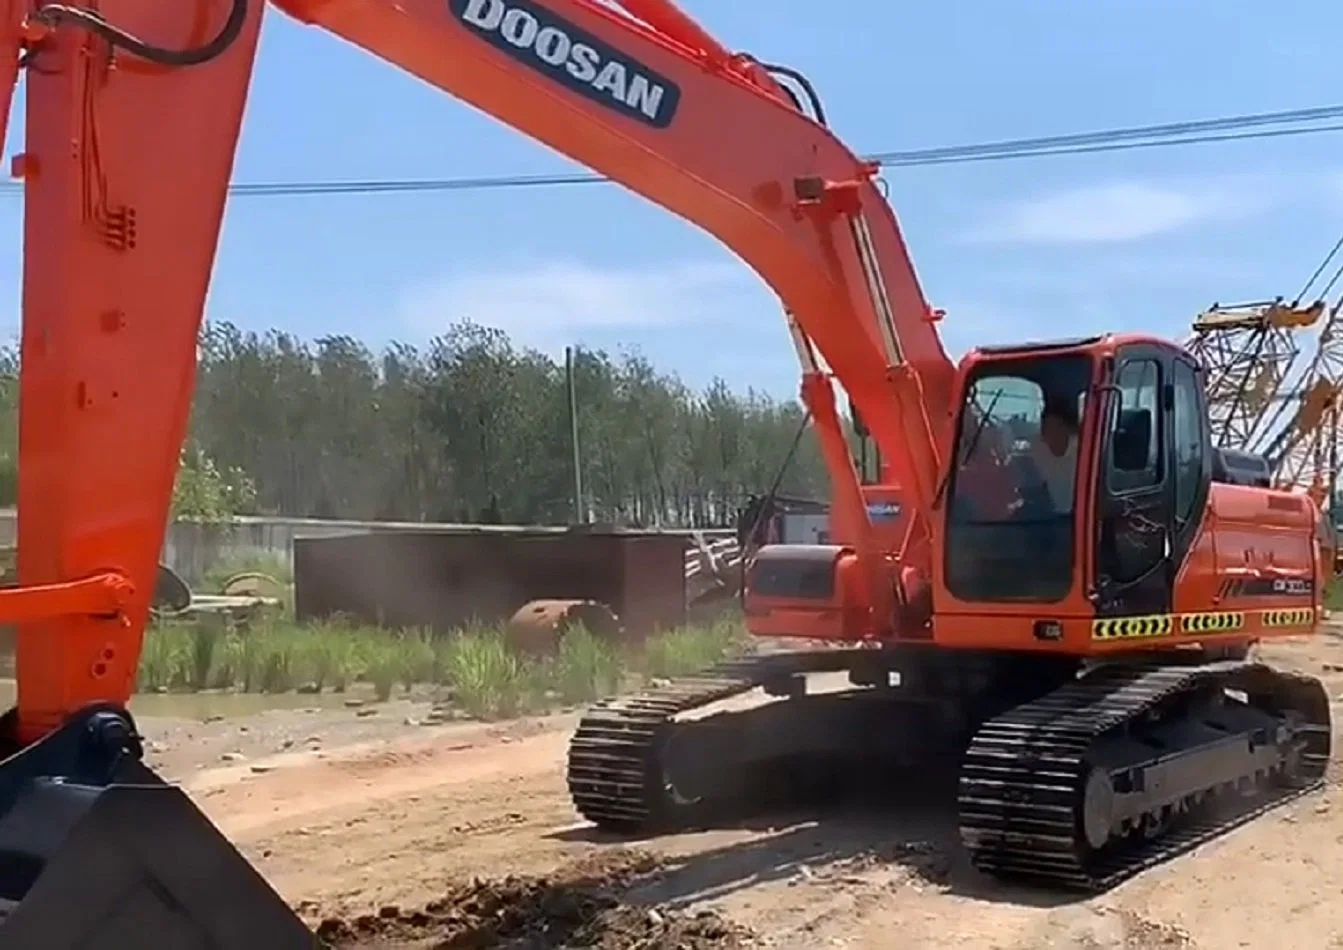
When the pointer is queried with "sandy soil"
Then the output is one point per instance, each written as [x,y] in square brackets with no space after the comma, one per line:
[380,812]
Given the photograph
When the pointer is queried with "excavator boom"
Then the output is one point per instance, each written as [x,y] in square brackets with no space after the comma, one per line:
[126,162]
[133,114]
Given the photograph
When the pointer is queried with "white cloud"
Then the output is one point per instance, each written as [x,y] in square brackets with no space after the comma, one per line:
[548,304]
[1118,211]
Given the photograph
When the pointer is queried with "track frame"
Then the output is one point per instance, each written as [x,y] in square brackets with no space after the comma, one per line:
[1134,763]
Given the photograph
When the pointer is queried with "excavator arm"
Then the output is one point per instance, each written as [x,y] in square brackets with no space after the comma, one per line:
[133,114]
[132,122]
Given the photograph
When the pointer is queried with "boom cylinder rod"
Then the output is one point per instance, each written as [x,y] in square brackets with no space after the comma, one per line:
[11,45]
[673,22]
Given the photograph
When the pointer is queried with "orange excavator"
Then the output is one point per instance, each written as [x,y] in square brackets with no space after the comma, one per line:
[1045,578]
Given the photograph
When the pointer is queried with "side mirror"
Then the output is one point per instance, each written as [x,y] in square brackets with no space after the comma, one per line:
[1132,440]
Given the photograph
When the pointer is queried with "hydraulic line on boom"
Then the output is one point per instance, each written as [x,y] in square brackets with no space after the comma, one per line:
[1033,584]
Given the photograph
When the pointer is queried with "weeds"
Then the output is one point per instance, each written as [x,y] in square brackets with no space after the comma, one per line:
[382,669]
[420,660]
[1333,595]
[488,680]
[586,668]
[165,657]
[693,648]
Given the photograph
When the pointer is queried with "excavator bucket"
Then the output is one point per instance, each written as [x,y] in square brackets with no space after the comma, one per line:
[98,853]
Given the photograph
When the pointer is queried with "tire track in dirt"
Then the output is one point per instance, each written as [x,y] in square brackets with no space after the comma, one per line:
[400,821]
[389,823]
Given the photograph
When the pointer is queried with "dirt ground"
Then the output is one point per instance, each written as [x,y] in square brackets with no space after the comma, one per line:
[349,813]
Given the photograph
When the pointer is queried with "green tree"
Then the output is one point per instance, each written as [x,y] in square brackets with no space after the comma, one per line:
[204,492]
[469,427]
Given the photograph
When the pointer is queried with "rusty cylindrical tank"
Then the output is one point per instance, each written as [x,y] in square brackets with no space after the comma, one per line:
[538,626]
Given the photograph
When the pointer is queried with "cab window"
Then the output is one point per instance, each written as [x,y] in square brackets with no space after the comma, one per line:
[1188,425]
[1135,429]
[1013,488]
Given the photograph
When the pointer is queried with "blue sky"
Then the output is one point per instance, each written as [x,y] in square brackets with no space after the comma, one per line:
[1022,249]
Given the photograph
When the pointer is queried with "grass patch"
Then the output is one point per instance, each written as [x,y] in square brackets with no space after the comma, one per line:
[1333,595]
[684,651]
[586,669]
[487,679]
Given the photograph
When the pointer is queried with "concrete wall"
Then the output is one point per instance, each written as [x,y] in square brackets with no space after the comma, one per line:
[192,549]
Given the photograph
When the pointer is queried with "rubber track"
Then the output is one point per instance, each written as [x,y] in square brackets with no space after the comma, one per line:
[614,773]
[1022,777]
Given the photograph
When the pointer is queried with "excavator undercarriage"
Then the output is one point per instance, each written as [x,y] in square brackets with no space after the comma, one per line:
[1074,776]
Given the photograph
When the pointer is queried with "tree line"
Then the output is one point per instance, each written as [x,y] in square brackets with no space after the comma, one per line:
[468,428]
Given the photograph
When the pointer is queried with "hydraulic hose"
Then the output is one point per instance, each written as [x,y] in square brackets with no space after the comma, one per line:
[57,14]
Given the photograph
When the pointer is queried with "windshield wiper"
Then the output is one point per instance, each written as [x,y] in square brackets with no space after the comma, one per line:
[970,447]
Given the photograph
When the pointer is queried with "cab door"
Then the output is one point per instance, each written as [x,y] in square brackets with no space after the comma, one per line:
[1133,572]
[1191,457]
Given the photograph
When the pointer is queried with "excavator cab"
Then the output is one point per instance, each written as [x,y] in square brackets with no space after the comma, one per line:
[1076,480]
[1081,473]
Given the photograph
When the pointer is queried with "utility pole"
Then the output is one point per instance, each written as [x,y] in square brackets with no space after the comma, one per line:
[579,514]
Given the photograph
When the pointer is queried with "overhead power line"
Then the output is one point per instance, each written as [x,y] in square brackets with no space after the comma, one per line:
[1262,125]
[914,159]
[1170,133]
[1338,275]
[1333,252]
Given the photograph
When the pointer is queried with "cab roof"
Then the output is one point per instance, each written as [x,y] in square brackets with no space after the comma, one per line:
[1105,344]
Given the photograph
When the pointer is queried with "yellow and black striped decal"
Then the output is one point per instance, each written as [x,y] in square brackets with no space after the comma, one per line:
[1300,617]
[1125,628]
[1220,621]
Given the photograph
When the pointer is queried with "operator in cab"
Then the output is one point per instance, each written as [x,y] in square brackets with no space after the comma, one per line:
[1049,475]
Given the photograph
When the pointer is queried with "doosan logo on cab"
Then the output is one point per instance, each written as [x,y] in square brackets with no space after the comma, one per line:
[616,81]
